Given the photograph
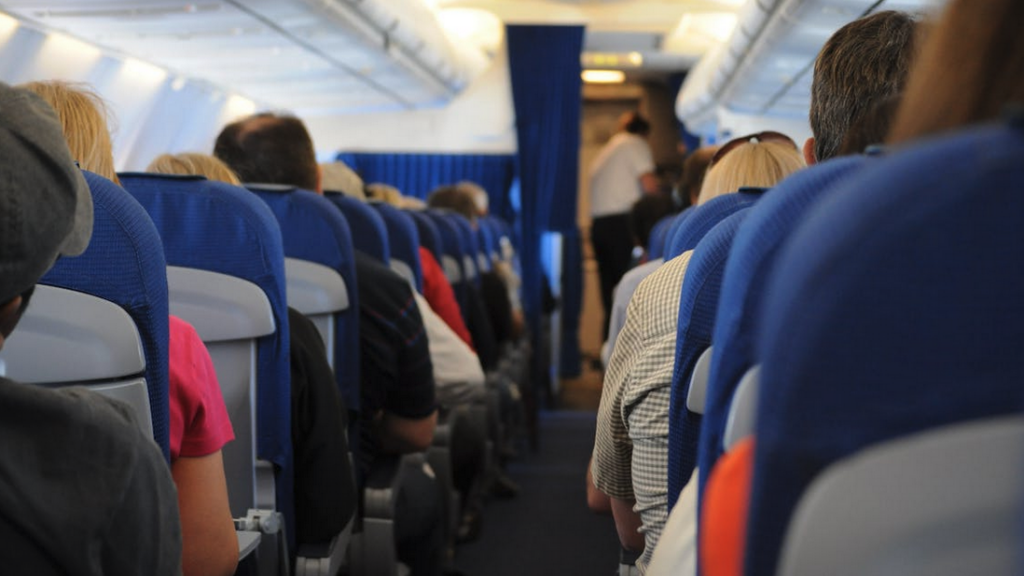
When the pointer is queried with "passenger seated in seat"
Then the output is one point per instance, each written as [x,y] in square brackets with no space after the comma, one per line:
[325,497]
[84,491]
[630,460]
[490,319]
[397,387]
[199,424]
[862,65]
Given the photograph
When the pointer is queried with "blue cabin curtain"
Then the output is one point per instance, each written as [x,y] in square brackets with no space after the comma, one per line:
[417,174]
[544,64]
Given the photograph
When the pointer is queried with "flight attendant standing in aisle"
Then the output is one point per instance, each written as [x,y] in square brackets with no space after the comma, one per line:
[622,172]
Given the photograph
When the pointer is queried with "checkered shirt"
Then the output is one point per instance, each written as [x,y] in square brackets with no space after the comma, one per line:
[631,447]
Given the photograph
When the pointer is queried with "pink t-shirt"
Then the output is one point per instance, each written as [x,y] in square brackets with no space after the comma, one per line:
[199,419]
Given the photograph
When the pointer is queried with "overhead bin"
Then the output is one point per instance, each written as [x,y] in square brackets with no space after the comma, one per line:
[765,68]
[310,56]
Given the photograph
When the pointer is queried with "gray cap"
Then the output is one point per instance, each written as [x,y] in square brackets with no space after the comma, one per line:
[45,204]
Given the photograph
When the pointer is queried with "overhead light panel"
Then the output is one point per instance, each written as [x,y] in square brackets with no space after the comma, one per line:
[603,76]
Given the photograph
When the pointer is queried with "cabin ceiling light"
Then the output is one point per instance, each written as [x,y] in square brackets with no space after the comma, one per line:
[603,76]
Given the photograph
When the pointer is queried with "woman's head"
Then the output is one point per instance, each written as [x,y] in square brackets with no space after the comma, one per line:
[752,160]
[83,117]
[193,164]
[968,71]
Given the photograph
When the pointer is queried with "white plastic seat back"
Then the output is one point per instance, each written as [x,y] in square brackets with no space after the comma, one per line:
[229,314]
[451,267]
[469,265]
[318,293]
[940,503]
[404,270]
[696,394]
[69,338]
[742,416]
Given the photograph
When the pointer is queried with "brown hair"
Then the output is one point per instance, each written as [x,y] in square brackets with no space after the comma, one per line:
[695,167]
[269,149]
[192,163]
[871,128]
[83,117]
[970,69]
[862,63]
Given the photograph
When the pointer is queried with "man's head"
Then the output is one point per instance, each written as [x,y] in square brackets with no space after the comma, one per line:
[270,149]
[45,204]
[453,198]
[646,212]
[634,123]
[863,63]
[695,167]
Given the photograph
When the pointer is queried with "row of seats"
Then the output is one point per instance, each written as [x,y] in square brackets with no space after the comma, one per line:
[860,324]
[230,261]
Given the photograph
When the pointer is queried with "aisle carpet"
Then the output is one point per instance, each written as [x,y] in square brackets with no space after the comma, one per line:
[548,530]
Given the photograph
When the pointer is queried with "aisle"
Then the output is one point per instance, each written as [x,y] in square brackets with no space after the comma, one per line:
[547,530]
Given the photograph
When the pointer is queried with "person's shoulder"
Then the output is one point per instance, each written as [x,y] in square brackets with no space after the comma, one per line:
[667,277]
[378,283]
[72,405]
[370,269]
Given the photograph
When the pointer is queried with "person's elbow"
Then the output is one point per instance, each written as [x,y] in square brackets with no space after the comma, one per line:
[209,543]
[404,435]
[650,184]
[597,501]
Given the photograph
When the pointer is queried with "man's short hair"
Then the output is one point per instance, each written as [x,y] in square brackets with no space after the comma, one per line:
[45,204]
[863,63]
[634,123]
[269,149]
[453,198]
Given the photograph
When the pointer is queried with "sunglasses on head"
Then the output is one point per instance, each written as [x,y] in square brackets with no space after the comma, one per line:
[766,136]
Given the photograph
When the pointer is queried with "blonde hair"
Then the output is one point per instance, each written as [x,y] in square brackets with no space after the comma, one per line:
[385,193]
[194,164]
[339,177]
[83,118]
[758,164]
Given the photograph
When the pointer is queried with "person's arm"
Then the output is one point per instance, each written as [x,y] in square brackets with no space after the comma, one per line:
[649,183]
[209,544]
[627,524]
[399,435]
[597,501]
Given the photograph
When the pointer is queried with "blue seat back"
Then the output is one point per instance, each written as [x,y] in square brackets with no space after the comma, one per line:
[124,264]
[895,307]
[220,228]
[486,237]
[754,252]
[696,222]
[430,237]
[451,256]
[656,240]
[314,229]
[468,245]
[404,238]
[698,304]
[369,233]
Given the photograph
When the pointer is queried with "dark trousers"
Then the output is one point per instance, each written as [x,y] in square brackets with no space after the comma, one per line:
[613,250]
[420,524]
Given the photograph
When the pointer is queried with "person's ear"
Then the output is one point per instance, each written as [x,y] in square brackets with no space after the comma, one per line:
[9,316]
[809,156]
